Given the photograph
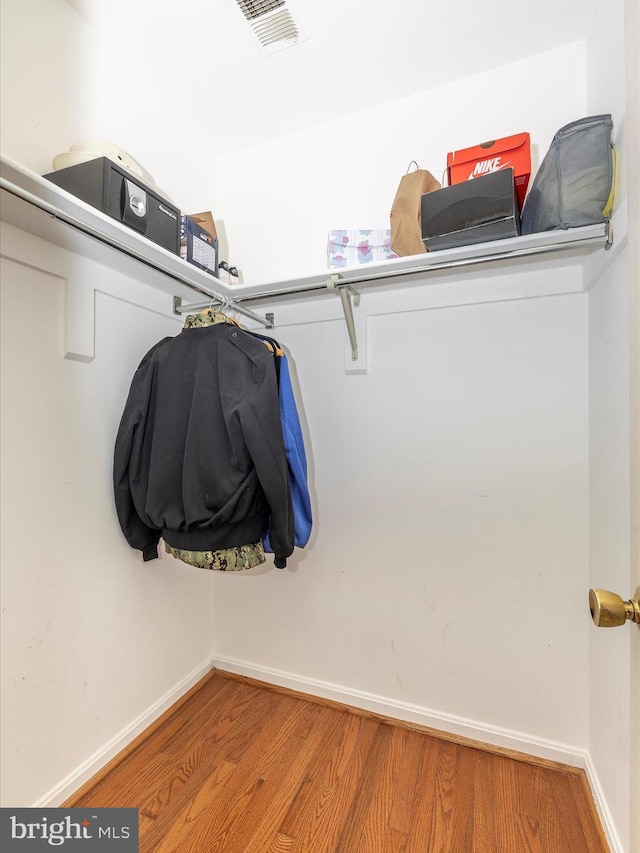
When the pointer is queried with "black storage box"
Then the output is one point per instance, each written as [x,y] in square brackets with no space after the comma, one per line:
[197,246]
[474,211]
[122,195]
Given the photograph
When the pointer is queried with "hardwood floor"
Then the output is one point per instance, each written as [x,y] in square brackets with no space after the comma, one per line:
[241,766]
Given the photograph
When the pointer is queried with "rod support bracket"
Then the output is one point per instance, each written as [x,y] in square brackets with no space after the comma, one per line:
[609,241]
[345,292]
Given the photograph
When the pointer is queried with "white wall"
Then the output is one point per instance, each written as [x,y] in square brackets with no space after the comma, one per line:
[65,81]
[94,641]
[446,572]
[42,55]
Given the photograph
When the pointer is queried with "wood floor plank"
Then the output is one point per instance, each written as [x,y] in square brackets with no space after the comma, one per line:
[552,833]
[241,768]
[281,785]
[217,719]
[320,826]
[424,808]
[404,783]
[281,844]
[524,815]
[235,730]
[180,827]
[561,801]
[484,804]
[510,803]
[377,831]
[354,835]
[256,808]
[461,833]
[321,778]
[229,808]
[585,808]
[540,824]
[227,801]
[445,794]
[211,742]
[528,832]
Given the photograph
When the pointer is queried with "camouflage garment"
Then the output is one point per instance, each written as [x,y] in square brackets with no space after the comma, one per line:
[227,560]
[208,317]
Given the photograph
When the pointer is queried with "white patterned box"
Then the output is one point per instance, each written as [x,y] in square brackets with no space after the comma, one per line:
[349,248]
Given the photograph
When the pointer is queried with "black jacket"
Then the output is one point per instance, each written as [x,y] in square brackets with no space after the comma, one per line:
[199,456]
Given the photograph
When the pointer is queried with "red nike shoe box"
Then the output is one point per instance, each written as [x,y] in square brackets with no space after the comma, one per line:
[509,152]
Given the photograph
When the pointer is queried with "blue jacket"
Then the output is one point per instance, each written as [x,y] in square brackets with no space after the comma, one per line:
[296,460]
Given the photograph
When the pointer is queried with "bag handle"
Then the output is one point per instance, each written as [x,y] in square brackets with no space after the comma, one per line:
[412,163]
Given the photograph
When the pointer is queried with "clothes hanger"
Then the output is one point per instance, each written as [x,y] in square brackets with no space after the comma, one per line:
[217,310]
[274,343]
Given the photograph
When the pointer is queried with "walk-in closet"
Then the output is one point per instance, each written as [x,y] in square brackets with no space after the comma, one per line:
[467,422]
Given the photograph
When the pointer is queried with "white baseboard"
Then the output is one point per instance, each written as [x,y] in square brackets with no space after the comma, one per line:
[494,735]
[97,761]
[608,825]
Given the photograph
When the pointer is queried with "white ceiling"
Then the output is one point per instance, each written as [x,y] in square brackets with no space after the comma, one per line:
[202,54]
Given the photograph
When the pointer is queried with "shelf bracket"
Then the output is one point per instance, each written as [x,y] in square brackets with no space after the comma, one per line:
[355,363]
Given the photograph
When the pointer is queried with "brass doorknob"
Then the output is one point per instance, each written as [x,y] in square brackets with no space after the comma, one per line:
[608,610]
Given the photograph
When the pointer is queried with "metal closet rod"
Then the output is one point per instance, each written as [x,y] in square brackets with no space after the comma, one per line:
[224,302]
[96,234]
[423,269]
[318,286]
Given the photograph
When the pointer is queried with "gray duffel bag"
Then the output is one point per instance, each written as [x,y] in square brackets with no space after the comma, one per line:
[575,182]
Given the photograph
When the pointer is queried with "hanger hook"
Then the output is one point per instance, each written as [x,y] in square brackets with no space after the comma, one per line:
[218,299]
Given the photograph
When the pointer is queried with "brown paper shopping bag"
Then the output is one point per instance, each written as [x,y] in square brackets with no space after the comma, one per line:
[406,230]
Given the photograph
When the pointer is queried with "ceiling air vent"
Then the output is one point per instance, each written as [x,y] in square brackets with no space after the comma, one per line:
[272,23]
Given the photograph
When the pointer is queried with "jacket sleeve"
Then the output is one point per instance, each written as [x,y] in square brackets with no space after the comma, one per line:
[262,430]
[267,450]
[127,449]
